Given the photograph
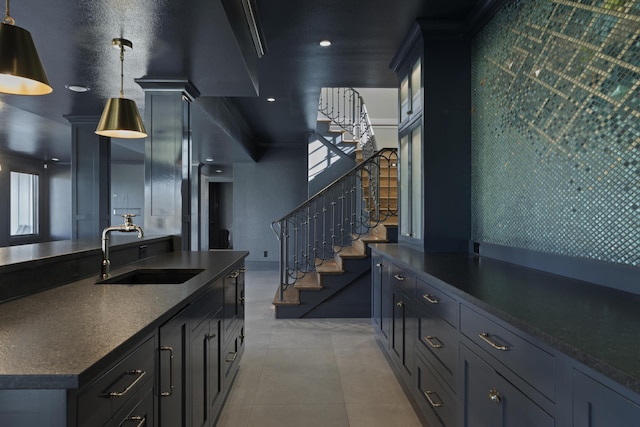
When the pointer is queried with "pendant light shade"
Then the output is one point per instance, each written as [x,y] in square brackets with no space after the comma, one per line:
[21,72]
[120,117]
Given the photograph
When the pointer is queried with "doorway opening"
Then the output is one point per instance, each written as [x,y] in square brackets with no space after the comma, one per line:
[220,215]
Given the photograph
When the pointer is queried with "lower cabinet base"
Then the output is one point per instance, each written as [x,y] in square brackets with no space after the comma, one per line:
[406,387]
[437,404]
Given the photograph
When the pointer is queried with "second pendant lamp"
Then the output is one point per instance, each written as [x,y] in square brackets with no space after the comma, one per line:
[120,118]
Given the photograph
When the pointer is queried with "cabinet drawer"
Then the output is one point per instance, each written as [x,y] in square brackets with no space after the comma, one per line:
[232,354]
[139,412]
[438,301]
[403,279]
[438,343]
[111,391]
[433,397]
[531,363]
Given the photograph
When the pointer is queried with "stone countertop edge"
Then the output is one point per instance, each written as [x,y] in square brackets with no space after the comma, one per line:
[462,284]
[62,337]
[21,256]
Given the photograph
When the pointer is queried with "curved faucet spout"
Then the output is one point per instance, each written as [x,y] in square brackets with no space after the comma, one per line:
[127,227]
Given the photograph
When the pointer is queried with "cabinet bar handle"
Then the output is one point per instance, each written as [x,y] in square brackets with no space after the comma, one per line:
[485,337]
[209,337]
[142,421]
[231,356]
[430,340]
[428,394]
[137,372]
[243,270]
[241,299]
[399,277]
[170,392]
[431,299]
[234,274]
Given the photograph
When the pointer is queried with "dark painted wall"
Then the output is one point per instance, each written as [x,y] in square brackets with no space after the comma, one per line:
[263,192]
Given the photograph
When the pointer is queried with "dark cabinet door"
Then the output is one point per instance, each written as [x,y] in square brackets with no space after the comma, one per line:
[205,380]
[240,293]
[386,304]
[491,401]
[171,381]
[231,308]
[376,292]
[403,332]
[596,405]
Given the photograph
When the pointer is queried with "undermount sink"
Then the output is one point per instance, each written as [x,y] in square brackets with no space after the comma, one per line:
[153,276]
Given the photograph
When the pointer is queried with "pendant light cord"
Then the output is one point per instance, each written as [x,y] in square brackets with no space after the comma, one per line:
[121,70]
[7,18]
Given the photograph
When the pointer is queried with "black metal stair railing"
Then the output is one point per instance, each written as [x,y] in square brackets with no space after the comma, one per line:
[324,225]
[345,107]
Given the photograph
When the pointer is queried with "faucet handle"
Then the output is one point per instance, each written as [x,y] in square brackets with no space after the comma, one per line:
[128,218]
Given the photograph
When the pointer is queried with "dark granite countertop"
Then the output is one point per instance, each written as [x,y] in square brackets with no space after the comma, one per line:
[61,337]
[592,324]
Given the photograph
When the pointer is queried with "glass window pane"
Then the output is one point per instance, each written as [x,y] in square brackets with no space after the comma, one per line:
[405,212]
[24,204]
[416,183]
[416,86]
[404,98]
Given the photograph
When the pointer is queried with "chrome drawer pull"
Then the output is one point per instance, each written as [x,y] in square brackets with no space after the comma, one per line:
[234,275]
[431,299]
[231,356]
[137,372]
[170,392]
[209,337]
[485,337]
[142,421]
[243,270]
[400,304]
[399,277]
[428,394]
[430,340]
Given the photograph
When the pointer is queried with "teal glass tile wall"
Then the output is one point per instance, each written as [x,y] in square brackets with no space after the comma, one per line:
[556,129]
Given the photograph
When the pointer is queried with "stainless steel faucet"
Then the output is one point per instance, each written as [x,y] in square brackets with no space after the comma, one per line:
[127,227]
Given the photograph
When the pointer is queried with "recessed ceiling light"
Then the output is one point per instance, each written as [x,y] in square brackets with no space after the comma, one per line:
[218,170]
[55,159]
[209,159]
[78,88]
[271,99]
[325,43]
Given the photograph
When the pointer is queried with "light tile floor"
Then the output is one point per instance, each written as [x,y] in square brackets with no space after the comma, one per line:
[310,372]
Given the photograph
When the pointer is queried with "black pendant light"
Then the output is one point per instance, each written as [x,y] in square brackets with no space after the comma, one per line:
[21,72]
[120,118]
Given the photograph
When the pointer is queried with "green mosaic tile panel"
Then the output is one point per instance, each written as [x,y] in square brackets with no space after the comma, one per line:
[556,129]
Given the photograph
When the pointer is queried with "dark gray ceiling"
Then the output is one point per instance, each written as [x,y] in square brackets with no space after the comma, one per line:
[207,42]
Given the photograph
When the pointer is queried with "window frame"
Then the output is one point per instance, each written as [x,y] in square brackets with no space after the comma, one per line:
[36,190]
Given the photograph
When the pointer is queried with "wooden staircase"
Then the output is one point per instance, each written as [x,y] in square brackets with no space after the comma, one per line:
[341,287]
